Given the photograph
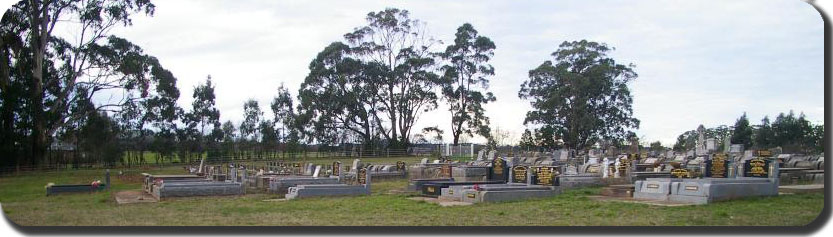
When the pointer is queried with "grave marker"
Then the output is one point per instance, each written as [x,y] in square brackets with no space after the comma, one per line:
[336,168]
[717,166]
[545,175]
[445,171]
[400,166]
[361,176]
[756,168]
[519,174]
[499,169]
[681,173]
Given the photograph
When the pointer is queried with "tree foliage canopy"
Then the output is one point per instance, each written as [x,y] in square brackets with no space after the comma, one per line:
[581,96]
[465,72]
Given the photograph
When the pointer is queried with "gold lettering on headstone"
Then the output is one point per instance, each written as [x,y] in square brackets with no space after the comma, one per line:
[445,171]
[764,153]
[361,176]
[718,168]
[653,186]
[519,174]
[470,195]
[430,189]
[691,188]
[545,175]
[681,173]
[497,166]
[757,167]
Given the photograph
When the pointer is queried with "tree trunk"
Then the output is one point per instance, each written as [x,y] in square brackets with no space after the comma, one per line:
[39,39]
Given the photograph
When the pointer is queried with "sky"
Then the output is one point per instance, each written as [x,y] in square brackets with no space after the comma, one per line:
[699,62]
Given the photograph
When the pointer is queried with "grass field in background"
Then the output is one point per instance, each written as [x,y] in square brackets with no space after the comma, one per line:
[24,202]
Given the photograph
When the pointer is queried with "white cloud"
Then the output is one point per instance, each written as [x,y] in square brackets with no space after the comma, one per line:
[700,62]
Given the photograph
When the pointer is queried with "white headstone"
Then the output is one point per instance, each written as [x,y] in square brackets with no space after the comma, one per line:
[317,171]
[492,155]
[605,168]
[736,148]
[424,161]
[571,170]
[356,163]
[711,145]
[481,154]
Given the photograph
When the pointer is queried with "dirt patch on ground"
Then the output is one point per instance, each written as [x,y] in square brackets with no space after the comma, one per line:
[133,196]
[444,203]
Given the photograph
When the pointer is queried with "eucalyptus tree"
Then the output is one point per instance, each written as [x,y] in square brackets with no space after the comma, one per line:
[288,129]
[336,98]
[204,116]
[56,69]
[466,78]
[250,127]
[581,96]
[397,53]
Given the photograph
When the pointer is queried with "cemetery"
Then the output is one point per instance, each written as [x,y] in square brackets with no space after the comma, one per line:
[482,183]
[704,176]
[362,138]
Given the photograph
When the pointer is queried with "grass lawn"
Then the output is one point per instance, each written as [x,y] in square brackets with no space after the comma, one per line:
[24,202]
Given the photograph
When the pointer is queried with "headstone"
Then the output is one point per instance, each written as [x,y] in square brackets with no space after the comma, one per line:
[717,166]
[356,163]
[606,168]
[481,154]
[519,174]
[445,171]
[700,144]
[571,169]
[499,170]
[361,176]
[424,161]
[756,168]
[711,145]
[545,175]
[200,170]
[400,166]
[681,173]
[317,171]
[736,148]
[336,168]
[492,155]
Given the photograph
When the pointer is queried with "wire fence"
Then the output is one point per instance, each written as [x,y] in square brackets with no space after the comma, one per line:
[72,160]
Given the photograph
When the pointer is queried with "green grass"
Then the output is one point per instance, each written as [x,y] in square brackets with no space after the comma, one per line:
[24,202]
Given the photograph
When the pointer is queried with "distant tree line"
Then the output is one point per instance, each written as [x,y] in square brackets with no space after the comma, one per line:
[790,132]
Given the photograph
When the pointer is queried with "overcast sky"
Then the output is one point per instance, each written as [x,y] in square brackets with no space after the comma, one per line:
[699,62]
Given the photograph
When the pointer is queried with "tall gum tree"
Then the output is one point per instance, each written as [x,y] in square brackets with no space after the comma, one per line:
[466,70]
[400,48]
[581,96]
[60,68]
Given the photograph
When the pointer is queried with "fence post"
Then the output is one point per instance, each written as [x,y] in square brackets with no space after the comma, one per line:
[471,151]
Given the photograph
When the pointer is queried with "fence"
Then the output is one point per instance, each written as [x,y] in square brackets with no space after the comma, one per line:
[151,159]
